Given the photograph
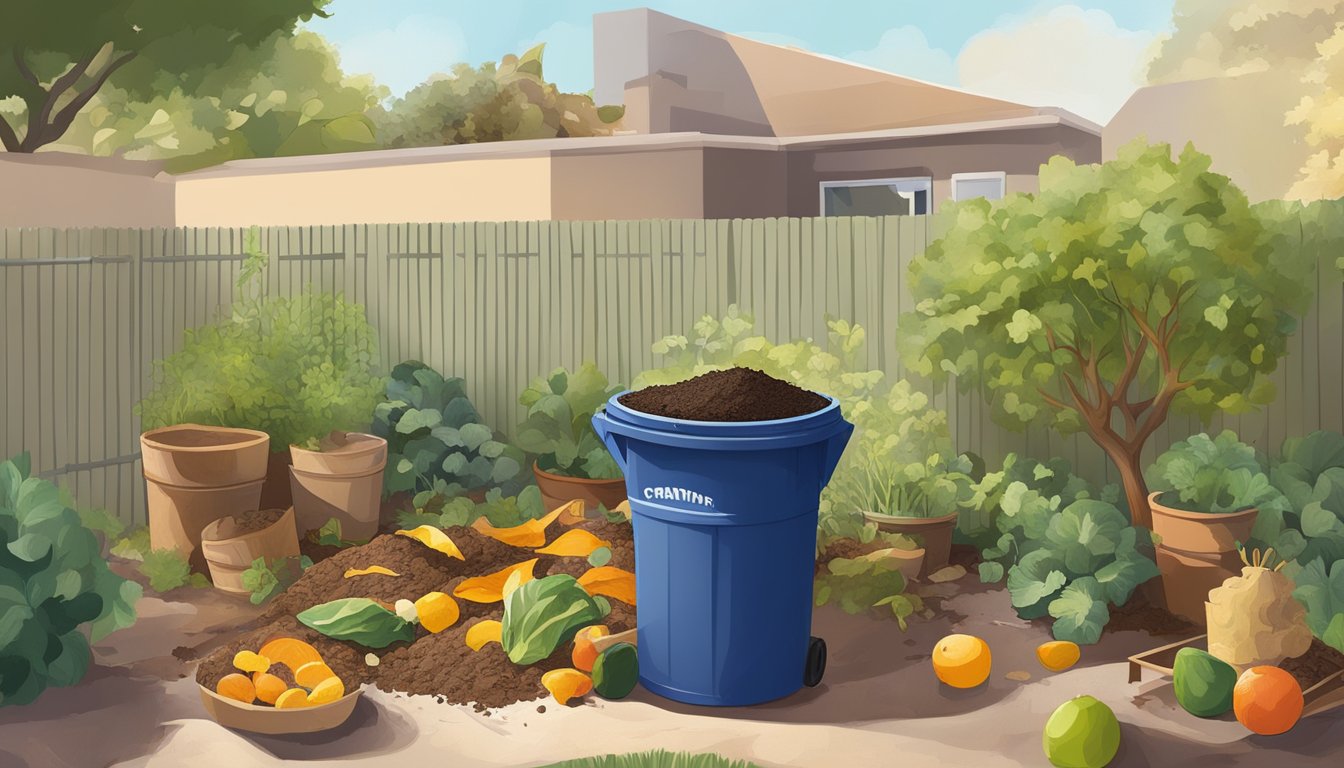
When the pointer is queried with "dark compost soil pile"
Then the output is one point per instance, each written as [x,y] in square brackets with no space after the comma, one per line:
[1319,662]
[433,664]
[735,394]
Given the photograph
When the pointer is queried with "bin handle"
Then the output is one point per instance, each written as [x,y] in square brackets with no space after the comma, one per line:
[614,446]
[835,446]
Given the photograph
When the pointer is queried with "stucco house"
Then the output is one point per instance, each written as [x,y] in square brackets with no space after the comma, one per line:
[719,126]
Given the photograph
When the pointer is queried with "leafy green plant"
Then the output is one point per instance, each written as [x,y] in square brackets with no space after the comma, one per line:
[900,461]
[441,508]
[433,432]
[1310,475]
[267,578]
[1118,292]
[860,584]
[559,423]
[1320,589]
[133,545]
[294,367]
[1220,474]
[56,591]
[837,369]
[543,613]
[1067,551]
[167,569]
[358,620]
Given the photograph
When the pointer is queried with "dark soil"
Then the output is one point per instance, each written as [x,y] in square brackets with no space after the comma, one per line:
[438,665]
[735,394]
[1319,662]
[244,523]
[1139,615]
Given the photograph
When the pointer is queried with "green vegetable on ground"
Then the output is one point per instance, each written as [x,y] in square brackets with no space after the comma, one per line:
[168,569]
[542,614]
[1203,682]
[616,671]
[1082,733]
[359,620]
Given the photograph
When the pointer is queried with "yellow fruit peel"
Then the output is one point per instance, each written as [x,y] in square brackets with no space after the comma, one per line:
[574,543]
[530,534]
[571,512]
[250,661]
[610,581]
[490,588]
[372,570]
[290,651]
[482,632]
[435,539]
[327,691]
[437,611]
[312,673]
[565,684]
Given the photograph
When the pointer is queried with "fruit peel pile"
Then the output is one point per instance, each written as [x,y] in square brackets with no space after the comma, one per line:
[262,676]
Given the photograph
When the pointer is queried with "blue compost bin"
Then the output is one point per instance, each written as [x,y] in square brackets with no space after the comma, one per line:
[725,526]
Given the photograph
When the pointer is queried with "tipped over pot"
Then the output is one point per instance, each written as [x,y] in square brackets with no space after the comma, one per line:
[230,544]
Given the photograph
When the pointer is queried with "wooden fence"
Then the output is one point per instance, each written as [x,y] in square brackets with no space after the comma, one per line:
[87,312]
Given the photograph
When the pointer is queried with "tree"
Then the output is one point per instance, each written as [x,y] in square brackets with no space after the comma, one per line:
[56,55]
[503,102]
[1116,293]
[1321,113]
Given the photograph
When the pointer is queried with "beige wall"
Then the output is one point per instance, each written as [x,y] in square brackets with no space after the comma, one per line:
[628,185]
[53,189]
[1238,121]
[494,189]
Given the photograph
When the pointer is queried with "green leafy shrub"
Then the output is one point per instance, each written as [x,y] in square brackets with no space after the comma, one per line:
[1219,474]
[860,584]
[1320,589]
[56,591]
[442,508]
[1067,551]
[836,369]
[167,569]
[901,460]
[133,545]
[559,423]
[267,578]
[1310,475]
[294,367]
[433,432]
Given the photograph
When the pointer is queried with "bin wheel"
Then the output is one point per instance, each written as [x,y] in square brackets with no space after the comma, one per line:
[816,662]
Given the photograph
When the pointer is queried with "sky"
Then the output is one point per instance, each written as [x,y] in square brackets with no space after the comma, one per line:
[1084,56]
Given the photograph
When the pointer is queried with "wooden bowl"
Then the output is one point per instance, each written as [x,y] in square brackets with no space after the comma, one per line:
[258,719]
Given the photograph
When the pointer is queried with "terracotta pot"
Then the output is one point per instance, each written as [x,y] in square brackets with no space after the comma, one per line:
[342,453]
[1187,577]
[934,533]
[177,515]
[229,555]
[354,500]
[259,719]
[1200,532]
[558,489]
[275,494]
[196,456]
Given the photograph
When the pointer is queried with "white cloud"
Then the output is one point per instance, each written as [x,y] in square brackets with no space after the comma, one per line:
[568,60]
[906,51]
[1067,57]
[406,55]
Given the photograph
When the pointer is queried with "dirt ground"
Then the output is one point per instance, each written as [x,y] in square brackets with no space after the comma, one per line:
[140,707]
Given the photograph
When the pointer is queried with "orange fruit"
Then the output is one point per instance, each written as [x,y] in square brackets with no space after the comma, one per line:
[237,687]
[327,691]
[312,673]
[961,661]
[585,654]
[565,684]
[1058,655]
[292,699]
[1267,700]
[269,687]
[290,651]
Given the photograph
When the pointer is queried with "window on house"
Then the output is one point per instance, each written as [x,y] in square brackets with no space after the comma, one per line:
[876,197]
[989,185]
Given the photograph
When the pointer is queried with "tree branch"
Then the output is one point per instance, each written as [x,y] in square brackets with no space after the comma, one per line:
[67,114]
[8,138]
[61,85]
[24,70]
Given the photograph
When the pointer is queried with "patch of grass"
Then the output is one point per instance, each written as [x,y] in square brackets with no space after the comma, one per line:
[658,758]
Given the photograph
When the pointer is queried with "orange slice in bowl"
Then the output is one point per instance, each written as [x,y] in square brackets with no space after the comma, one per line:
[290,651]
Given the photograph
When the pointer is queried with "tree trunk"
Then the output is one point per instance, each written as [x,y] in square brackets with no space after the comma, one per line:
[1127,462]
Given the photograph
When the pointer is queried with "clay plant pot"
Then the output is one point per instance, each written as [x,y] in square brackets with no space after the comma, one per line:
[195,475]
[1197,551]
[934,533]
[344,481]
[258,719]
[558,489]
[229,553]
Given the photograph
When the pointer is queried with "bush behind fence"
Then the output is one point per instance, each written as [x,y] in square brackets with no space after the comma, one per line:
[88,311]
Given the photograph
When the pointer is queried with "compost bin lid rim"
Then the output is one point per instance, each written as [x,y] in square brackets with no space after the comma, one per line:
[819,418]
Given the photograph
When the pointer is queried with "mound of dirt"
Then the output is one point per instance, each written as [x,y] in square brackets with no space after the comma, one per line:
[433,664]
[735,394]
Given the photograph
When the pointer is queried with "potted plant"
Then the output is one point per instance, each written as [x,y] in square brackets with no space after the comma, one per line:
[571,461]
[901,471]
[1216,488]
[339,477]
[292,367]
